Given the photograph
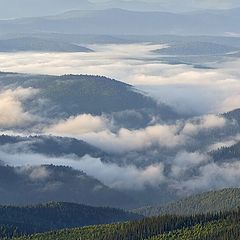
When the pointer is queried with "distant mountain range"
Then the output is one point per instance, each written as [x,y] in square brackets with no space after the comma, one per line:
[39,45]
[196,49]
[122,22]
[30,8]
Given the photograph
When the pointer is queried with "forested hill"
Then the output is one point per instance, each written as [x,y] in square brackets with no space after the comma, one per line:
[70,95]
[226,153]
[57,215]
[209,227]
[210,202]
[37,184]
[233,115]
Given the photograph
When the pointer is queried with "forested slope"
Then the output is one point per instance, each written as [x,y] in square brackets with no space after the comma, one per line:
[214,201]
[56,215]
[153,227]
[70,95]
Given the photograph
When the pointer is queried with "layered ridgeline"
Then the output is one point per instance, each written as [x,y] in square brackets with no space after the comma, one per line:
[210,202]
[56,215]
[36,182]
[212,226]
[129,22]
[33,180]
[27,44]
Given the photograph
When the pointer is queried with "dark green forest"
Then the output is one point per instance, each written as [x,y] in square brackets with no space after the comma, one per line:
[162,227]
[209,202]
[55,215]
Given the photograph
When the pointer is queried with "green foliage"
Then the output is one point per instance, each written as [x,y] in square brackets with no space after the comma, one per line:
[214,201]
[54,216]
[135,230]
[219,230]
[221,226]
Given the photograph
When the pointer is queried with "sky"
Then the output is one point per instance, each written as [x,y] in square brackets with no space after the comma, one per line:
[30,8]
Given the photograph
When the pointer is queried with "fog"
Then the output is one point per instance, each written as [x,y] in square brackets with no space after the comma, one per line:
[97,131]
[188,89]
[200,92]
[12,113]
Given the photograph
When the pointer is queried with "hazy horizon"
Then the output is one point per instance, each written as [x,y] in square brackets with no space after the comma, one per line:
[31,8]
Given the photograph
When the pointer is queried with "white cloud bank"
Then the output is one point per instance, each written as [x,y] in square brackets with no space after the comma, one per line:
[97,131]
[12,113]
[211,177]
[190,90]
[76,126]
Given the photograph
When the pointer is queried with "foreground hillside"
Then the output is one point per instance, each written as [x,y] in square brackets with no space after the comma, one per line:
[54,215]
[220,230]
[201,227]
[215,201]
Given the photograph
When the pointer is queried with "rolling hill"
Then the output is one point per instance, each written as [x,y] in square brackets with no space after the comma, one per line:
[57,215]
[219,226]
[28,44]
[70,95]
[38,184]
[210,202]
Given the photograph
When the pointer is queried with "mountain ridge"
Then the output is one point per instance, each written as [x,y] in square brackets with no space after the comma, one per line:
[125,22]
[208,202]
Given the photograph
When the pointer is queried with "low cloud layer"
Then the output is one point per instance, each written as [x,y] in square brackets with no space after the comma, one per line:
[112,175]
[189,172]
[12,113]
[197,91]
[190,90]
[76,126]
[204,123]
[212,177]
[97,131]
